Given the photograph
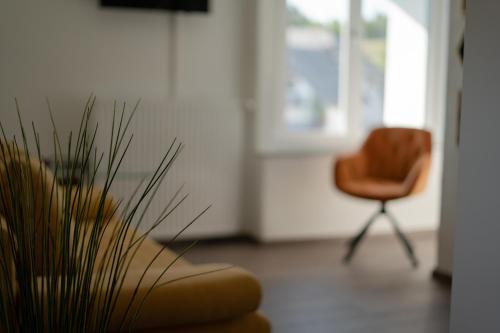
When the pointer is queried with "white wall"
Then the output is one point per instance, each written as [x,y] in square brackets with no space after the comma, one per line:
[476,266]
[65,50]
[299,200]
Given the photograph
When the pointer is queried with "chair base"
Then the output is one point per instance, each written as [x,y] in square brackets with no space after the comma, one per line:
[354,242]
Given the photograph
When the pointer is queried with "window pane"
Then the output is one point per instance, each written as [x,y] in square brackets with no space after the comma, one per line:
[313,57]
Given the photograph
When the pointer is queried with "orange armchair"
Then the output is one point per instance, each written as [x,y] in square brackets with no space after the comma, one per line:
[393,163]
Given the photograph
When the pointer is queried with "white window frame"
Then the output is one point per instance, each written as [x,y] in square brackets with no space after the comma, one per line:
[273,136]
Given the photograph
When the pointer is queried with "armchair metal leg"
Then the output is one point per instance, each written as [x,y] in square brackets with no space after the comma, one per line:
[404,240]
[354,242]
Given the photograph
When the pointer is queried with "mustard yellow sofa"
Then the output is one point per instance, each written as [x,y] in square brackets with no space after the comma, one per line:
[219,298]
[194,298]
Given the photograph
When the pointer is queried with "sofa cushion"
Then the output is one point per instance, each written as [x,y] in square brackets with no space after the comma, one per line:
[250,323]
[147,251]
[189,295]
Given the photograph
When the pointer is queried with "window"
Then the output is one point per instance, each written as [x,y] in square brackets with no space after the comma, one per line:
[330,70]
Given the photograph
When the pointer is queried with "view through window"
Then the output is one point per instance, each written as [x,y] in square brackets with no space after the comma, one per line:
[373,61]
[314,44]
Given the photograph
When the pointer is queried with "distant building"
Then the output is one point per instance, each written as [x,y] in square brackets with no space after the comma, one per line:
[313,76]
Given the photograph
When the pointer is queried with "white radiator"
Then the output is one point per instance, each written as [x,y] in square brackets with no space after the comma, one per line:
[210,164]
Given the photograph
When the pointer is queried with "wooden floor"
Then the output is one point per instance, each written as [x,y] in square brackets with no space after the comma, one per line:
[308,290]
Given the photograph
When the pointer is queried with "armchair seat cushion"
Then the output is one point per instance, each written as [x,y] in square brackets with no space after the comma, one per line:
[189,295]
[376,188]
[393,163]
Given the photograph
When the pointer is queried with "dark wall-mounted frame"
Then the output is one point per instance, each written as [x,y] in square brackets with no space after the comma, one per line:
[169,5]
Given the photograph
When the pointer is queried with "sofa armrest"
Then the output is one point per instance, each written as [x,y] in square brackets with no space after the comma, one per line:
[190,295]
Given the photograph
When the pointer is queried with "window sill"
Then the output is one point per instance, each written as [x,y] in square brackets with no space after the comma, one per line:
[303,145]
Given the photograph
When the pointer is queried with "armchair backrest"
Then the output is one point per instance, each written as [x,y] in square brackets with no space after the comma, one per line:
[393,152]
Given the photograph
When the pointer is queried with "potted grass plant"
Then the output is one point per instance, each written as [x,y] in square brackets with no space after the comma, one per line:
[59,273]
